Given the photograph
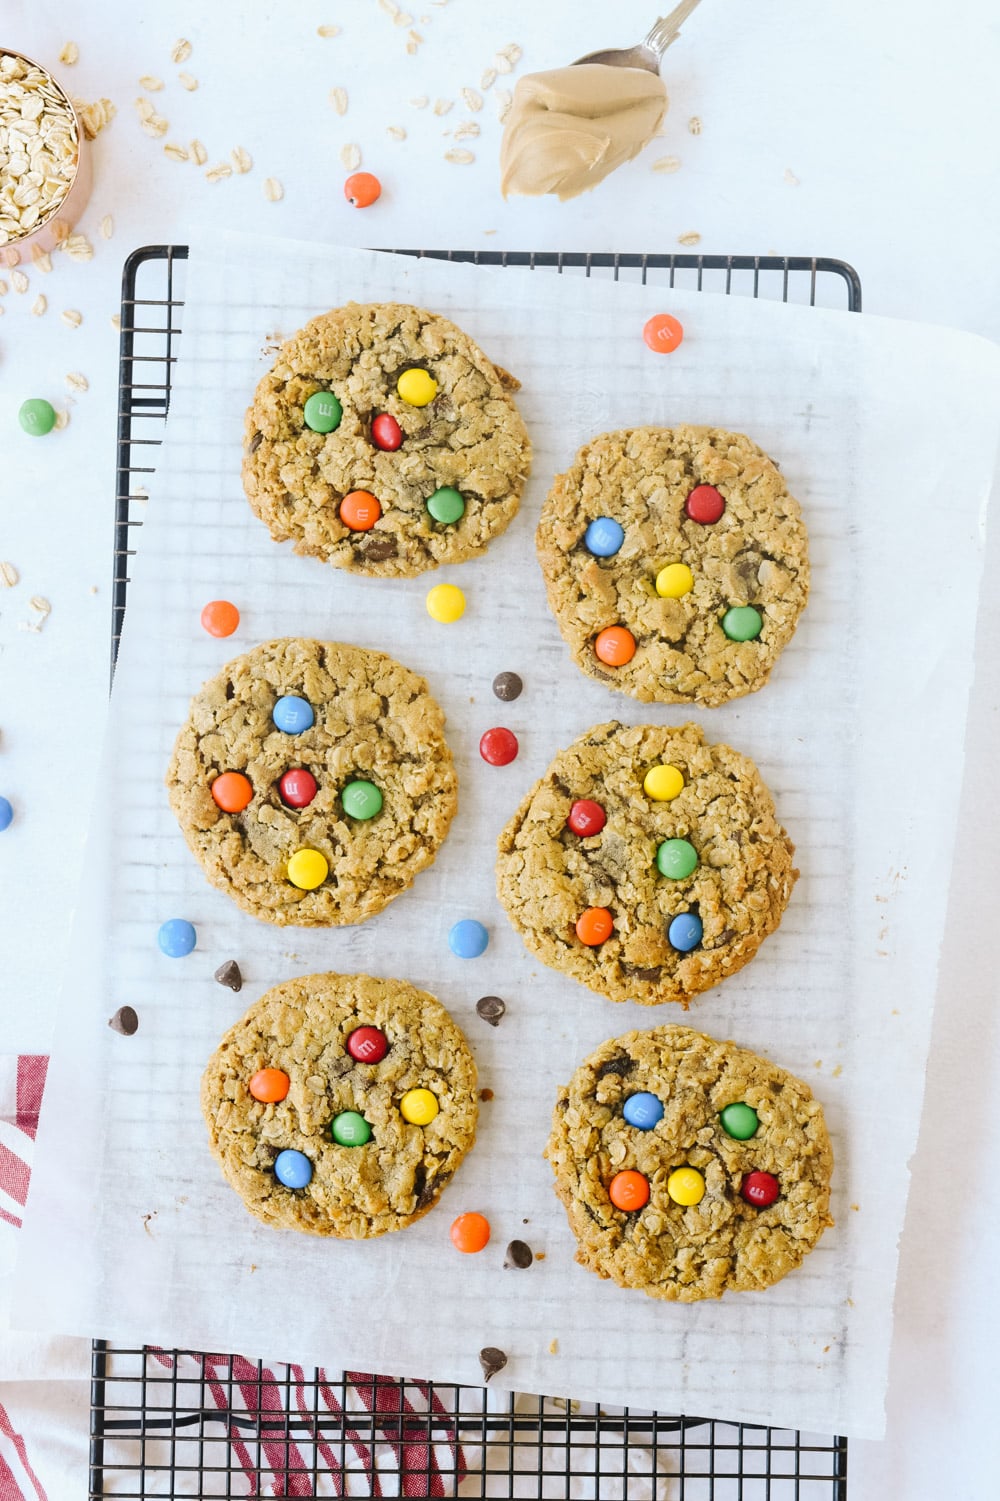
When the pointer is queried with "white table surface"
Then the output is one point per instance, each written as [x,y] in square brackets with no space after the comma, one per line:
[882,115]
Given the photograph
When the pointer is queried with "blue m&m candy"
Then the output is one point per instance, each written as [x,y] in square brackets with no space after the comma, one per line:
[643,1111]
[176,937]
[685,932]
[292,715]
[468,939]
[603,537]
[6,814]
[293,1169]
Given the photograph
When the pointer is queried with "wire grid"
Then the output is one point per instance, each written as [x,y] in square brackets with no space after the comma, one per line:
[174,1423]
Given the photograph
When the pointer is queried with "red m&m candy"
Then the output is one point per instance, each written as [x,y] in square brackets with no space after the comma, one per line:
[386,433]
[586,818]
[705,505]
[367,1045]
[498,747]
[760,1189]
[297,787]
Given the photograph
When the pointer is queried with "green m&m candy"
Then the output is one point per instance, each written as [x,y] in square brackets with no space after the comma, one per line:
[446,505]
[37,417]
[361,800]
[349,1129]
[739,1121]
[322,412]
[676,858]
[742,623]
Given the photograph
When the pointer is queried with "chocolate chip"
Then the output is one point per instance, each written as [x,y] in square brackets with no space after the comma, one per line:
[517,1254]
[256,441]
[124,1021]
[492,1360]
[491,1008]
[507,685]
[380,548]
[619,1065]
[229,974]
[726,936]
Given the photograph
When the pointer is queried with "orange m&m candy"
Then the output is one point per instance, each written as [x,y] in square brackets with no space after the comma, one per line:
[362,189]
[594,926]
[470,1233]
[629,1190]
[269,1085]
[360,510]
[615,646]
[662,333]
[232,791]
[220,618]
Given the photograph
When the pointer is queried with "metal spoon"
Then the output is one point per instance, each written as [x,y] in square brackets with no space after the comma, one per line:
[649,53]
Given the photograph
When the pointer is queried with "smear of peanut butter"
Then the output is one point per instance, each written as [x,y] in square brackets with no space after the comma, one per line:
[568,128]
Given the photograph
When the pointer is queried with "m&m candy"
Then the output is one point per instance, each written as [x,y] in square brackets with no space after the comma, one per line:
[743,623]
[760,1189]
[603,537]
[586,818]
[468,939]
[322,412]
[662,333]
[362,189]
[176,937]
[220,617]
[686,1186]
[6,814]
[705,505]
[361,800]
[663,783]
[359,510]
[470,1233]
[629,1190]
[297,787]
[232,792]
[685,932]
[416,387]
[386,433]
[740,1121]
[418,1107]
[37,416]
[644,1111]
[498,747]
[293,715]
[594,926]
[615,646]
[445,603]
[446,505]
[367,1045]
[349,1129]
[293,1169]
[269,1085]
[307,869]
[676,858]
[674,581]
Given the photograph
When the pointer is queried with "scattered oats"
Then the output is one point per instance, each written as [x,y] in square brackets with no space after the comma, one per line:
[4,289]
[39,147]
[176,153]
[553,1347]
[338,98]
[694,125]
[503,98]
[151,84]
[71,317]
[468,130]
[8,575]
[144,108]
[181,51]
[218,172]
[402,18]
[187,82]
[396,132]
[107,227]
[11,256]
[62,420]
[59,230]
[155,126]
[512,52]
[421,102]
[416,39]
[42,610]
[791,179]
[78,248]
[273,191]
[40,305]
[327,30]
[116,322]
[460,158]
[488,79]
[350,157]
[41,258]
[442,106]
[503,64]
[667,164]
[691,238]
[242,160]
[92,589]
[77,382]
[70,54]
[390,7]
[489,231]
[473,100]
[1,309]
[94,117]
[198,154]
[19,281]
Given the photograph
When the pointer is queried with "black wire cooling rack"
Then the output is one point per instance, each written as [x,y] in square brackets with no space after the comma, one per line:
[184,1423]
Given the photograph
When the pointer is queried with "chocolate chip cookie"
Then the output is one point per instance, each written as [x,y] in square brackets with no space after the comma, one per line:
[312,781]
[341,1104]
[675,561]
[647,863]
[689,1167]
[384,441]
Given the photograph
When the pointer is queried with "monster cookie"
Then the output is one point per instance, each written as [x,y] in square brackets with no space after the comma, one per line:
[312,781]
[341,1104]
[689,1167]
[646,863]
[675,563]
[384,441]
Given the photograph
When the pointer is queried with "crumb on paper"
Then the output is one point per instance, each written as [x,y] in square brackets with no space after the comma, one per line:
[554,1350]
[459,158]
[69,55]
[186,81]
[116,322]
[539,1255]
[338,98]
[9,575]
[93,589]
[690,237]
[273,191]
[107,227]
[198,153]
[836,1073]
[242,160]
[217,173]
[181,51]
[791,179]
[421,102]
[855,1207]
[489,231]
[174,152]
[667,164]
[290,954]
[327,31]
[486,1095]
[694,125]
[350,156]
[150,83]
[818,1063]
[145,1222]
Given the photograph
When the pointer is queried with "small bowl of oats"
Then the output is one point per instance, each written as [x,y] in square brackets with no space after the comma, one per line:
[44,160]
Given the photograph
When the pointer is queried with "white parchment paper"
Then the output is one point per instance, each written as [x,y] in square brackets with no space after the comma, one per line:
[887,433]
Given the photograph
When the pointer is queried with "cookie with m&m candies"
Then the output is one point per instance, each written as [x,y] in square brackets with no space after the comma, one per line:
[676,563]
[713,1165]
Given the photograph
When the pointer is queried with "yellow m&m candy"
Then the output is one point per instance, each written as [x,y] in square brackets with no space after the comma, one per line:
[674,581]
[686,1186]
[662,783]
[418,1106]
[307,869]
[417,388]
[446,603]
